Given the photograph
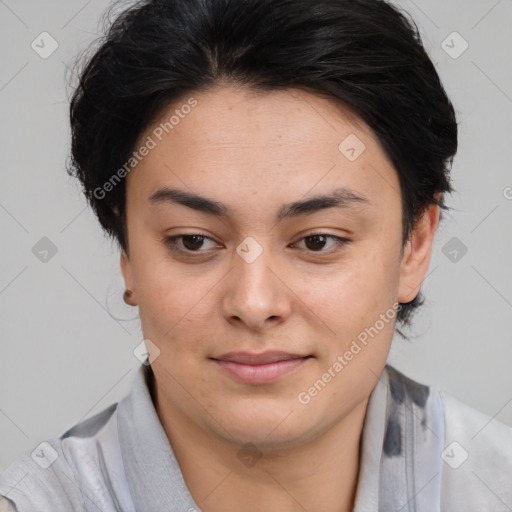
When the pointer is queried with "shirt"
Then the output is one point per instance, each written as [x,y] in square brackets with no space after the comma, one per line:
[422,450]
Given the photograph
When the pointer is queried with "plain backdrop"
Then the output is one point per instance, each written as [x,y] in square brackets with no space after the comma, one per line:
[67,337]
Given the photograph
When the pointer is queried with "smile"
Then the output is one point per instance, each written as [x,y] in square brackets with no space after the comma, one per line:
[262,373]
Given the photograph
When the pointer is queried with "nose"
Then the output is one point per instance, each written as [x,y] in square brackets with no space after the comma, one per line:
[256,295]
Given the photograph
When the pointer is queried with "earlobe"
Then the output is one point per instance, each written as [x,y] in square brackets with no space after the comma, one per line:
[129,296]
[417,252]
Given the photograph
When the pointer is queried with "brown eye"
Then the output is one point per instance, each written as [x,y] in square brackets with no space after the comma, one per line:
[318,241]
[192,242]
[315,242]
[189,243]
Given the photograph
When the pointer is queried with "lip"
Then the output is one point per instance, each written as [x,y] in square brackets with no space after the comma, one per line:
[263,368]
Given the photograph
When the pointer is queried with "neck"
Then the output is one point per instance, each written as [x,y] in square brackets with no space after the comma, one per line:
[320,474]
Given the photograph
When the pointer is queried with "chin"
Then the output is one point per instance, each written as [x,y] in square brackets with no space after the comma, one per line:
[270,428]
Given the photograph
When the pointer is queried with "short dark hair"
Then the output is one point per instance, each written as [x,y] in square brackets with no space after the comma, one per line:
[365,54]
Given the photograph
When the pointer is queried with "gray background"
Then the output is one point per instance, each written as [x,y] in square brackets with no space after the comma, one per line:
[65,358]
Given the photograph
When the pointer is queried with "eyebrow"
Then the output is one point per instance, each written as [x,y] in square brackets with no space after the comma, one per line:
[341,197]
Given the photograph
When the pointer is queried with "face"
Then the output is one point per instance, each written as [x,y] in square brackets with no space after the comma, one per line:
[252,230]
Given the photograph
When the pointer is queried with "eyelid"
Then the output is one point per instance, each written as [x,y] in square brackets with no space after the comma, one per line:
[339,241]
[170,242]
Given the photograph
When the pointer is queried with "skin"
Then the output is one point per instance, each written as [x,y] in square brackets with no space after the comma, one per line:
[254,153]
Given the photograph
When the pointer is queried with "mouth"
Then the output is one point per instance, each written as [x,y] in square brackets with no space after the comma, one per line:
[264,368]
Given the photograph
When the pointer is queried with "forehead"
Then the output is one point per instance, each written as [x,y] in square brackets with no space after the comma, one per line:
[237,140]
[226,114]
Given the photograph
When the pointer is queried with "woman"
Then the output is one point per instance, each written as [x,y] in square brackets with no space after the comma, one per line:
[273,172]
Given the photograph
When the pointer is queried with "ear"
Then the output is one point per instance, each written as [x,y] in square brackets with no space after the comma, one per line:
[417,252]
[126,270]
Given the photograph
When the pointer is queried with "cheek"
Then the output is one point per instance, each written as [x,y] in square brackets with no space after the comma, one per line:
[355,293]
[175,306]
[161,294]
[168,306]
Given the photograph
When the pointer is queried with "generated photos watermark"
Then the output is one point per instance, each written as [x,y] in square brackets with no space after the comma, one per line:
[150,143]
[342,360]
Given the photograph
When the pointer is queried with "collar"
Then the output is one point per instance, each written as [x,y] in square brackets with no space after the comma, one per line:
[150,465]
[400,467]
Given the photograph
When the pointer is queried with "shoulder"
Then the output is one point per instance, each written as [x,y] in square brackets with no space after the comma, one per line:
[472,425]
[47,478]
[461,421]
[462,457]
[477,457]
[40,479]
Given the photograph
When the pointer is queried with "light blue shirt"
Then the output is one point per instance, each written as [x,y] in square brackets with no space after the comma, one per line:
[422,451]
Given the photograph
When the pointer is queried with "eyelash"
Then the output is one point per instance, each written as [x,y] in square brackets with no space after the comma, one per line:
[171,243]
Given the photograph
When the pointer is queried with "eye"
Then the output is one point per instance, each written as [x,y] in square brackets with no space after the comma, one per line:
[197,243]
[318,241]
[189,243]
